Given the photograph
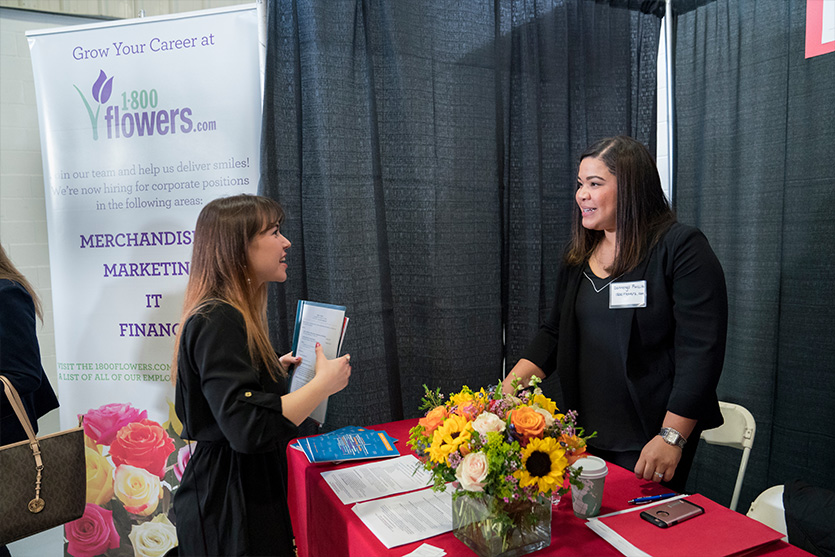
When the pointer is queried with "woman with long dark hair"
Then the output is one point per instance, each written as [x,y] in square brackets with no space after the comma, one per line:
[231,393]
[637,330]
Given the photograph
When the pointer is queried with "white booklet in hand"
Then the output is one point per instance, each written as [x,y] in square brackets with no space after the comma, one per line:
[322,323]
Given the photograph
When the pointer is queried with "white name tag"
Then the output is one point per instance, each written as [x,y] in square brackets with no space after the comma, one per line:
[628,294]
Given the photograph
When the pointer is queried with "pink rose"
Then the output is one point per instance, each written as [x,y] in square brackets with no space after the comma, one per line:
[102,424]
[183,456]
[92,534]
[472,471]
[144,445]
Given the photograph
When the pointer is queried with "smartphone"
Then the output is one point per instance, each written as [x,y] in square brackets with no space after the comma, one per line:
[673,512]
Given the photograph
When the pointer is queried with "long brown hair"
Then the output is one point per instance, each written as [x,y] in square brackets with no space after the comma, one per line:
[224,230]
[10,272]
[643,212]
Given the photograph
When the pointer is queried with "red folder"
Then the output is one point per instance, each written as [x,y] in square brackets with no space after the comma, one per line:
[716,533]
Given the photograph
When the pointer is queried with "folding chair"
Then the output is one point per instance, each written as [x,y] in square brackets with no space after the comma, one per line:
[768,509]
[737,432]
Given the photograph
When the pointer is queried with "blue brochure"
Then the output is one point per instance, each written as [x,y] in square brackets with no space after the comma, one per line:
[349,443]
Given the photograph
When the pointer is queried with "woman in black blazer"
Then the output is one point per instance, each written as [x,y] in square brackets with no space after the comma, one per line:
[637,330]
[20,354]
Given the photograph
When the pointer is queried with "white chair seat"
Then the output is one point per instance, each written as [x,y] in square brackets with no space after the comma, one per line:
[768,509]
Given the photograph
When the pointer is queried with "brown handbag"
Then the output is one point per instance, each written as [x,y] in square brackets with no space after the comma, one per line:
[44,479]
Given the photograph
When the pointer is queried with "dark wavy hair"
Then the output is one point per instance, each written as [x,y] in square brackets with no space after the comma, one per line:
[218,272]
[643,212]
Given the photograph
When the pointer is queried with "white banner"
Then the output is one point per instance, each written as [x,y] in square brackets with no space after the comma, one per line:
[142,122]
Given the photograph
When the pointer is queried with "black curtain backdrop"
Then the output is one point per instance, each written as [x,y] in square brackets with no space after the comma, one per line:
[425,153]
[755,136]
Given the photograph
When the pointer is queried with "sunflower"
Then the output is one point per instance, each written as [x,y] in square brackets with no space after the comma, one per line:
[454,432]
[543,464]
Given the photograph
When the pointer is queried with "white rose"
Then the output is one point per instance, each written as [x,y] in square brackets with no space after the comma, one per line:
[487,421]
[549,419]
[472,471]
[137,489]
[154,538]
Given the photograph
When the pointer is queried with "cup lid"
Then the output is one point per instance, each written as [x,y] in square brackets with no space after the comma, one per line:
[593,467]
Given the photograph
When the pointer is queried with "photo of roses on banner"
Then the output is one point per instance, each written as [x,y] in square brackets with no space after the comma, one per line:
[133,466]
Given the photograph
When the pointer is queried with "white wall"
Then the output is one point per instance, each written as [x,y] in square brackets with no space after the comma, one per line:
[22,208]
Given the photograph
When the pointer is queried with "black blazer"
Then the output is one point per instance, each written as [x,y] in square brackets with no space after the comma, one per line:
[20,362]
[674,347]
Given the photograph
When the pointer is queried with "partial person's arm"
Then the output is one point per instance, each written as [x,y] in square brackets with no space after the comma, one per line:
[524,370]
[251,419]
[658,456]
[700,308]
[20,357]
[331,377]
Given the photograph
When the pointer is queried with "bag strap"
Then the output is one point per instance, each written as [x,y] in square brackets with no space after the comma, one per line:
[17,404]
[36,504]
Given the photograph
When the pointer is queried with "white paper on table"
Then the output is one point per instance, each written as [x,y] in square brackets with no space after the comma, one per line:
[378,479]
[426,550]
[409,517]
[323,324]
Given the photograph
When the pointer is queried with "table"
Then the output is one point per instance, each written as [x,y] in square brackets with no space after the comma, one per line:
[324,527]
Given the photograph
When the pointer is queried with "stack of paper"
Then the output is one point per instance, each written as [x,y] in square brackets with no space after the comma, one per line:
[322,323]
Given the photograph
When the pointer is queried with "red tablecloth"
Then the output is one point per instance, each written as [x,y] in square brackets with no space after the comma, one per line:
[324,527]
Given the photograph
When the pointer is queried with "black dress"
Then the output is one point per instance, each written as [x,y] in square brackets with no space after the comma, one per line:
[20,362]
[233,498]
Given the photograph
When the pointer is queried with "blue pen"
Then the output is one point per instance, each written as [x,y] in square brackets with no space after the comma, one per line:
[650,498]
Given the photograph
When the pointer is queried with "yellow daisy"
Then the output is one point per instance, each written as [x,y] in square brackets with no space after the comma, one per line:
[543,464]
[454,432]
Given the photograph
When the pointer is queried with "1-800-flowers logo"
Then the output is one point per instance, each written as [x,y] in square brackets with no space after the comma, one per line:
[102,89]
[137,113]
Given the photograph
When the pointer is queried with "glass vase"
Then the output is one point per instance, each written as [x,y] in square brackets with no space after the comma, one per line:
[493,528]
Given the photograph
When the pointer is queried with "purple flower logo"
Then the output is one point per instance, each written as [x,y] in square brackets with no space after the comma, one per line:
[102,89]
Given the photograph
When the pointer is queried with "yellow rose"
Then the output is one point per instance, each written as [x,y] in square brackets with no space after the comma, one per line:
[137,489]
[154,538]
[99,477]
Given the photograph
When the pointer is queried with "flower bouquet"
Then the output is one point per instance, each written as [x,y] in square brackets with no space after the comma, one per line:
[509,457]
[133,466]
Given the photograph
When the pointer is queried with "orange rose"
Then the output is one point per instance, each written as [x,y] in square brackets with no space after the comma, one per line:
[528,422]
[433,419]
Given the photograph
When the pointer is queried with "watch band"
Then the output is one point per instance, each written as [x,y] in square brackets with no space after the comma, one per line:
[672,437]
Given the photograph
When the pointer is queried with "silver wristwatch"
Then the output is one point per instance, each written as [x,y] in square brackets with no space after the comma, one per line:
[672,437]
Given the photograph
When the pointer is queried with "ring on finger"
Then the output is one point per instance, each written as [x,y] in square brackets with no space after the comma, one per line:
[659,474]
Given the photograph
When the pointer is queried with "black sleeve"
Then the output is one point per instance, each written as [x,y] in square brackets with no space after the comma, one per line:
[542,350]
[250,418]
[700,309]
[20,356]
